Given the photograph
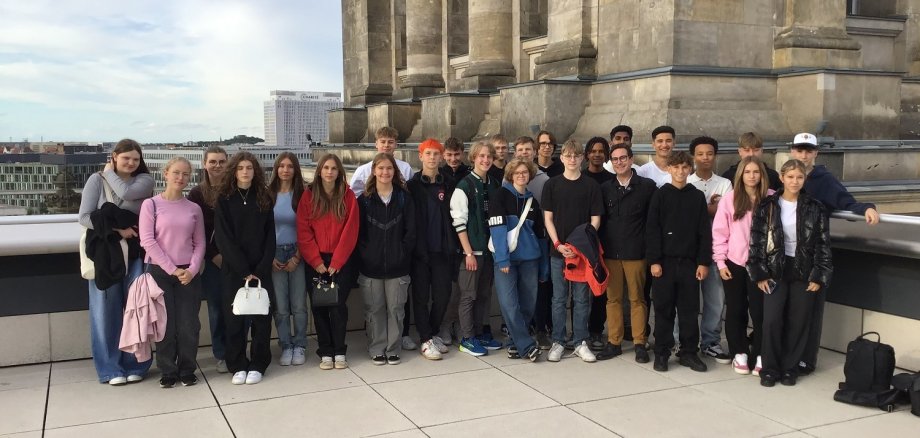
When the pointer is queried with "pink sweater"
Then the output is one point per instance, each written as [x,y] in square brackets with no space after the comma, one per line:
[179,238]
[731,239]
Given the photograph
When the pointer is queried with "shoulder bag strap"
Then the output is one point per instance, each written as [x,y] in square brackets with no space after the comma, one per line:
[523,217]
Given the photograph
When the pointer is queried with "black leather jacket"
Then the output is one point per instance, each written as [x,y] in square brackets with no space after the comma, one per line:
[812,249]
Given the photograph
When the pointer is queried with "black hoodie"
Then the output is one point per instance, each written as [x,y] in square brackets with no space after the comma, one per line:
[678,226]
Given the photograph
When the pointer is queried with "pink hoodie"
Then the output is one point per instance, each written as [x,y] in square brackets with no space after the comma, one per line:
[731,239]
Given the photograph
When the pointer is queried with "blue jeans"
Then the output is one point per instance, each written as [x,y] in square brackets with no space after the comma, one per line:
[290,300]
[212,286]
[713,300]
[517,296]
[106,310]
[581,305]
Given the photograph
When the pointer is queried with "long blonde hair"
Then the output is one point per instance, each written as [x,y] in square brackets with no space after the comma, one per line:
[328,203]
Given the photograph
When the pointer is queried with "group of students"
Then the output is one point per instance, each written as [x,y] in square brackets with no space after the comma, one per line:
[452,229]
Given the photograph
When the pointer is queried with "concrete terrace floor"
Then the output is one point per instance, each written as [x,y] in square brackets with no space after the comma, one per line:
[461,396]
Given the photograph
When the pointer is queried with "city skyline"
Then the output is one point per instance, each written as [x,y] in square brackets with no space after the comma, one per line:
[158,72]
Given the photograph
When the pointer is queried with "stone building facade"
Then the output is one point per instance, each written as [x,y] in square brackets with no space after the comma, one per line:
[471,68]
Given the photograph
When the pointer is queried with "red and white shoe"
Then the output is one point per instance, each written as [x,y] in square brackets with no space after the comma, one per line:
[758,367]
[740,364]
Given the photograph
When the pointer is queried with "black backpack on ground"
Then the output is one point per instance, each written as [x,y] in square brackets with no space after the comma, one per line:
[868,369]
[909,386]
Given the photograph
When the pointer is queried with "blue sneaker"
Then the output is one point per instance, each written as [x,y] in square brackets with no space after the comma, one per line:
[472,346]
[488,342]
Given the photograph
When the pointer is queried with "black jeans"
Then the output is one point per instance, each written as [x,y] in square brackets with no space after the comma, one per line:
[741,297]
[258,326]
[430,283]
[677,292]
[177,351]
[787,314]
[331,322]
[598,318]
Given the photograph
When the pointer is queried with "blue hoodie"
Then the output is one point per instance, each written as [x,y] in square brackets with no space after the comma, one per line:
[824,187]
[504,214]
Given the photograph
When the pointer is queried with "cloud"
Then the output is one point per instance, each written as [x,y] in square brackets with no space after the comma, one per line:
[172,69]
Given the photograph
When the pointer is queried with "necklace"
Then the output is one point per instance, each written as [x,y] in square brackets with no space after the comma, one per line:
[242,195]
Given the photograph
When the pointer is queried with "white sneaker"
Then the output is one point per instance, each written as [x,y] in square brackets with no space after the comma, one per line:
[287,355]
[134,378]
[118,381]
[584,352]
[340,362]
[298,357]
[222,367]
[253,377]
[758,367]
[326,363]
[555,352]
[740,364]
[239,378]
[408,343]
[430,351]
[439,344]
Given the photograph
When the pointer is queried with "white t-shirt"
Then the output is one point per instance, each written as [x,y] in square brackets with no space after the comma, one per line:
[715,185]
[651,171]
[363,172]
[787,211]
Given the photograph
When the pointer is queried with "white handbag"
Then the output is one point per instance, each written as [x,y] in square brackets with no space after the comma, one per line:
[516,231]
[87,268]
[251,300]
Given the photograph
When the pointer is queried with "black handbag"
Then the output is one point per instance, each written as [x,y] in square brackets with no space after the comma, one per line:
[325,291]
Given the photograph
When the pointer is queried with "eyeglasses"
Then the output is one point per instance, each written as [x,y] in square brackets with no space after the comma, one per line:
[545,143]
[521,173]
[570,156]
[620,159]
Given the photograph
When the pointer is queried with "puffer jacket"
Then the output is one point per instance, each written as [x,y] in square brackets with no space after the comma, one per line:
[812,249]
[386,235]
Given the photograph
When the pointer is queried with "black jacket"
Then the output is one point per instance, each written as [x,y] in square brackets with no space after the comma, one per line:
[387,234]
[678,226]
[625,212]
[420,190]
[103,244]
[245,236]
[455,176]
[812,249]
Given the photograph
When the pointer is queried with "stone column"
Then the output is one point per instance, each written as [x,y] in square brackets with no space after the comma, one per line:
[814,35]
[571,50]
[911,35]
[423,48]
[367,46]
[491,50]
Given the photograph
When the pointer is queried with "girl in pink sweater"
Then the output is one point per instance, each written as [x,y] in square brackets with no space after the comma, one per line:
[731,238]
[172,232]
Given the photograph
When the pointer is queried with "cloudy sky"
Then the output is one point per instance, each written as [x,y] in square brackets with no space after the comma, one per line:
[163,71]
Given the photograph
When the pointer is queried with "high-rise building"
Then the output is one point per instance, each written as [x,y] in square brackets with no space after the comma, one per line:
[292,118]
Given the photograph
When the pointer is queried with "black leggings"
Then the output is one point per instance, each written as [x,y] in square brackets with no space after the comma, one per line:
[742,296]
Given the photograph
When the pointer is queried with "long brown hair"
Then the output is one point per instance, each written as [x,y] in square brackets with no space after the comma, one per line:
[208,187]
[326,203]
[297,184]
[128,145]
[228,184]
[742,202]
[370,187]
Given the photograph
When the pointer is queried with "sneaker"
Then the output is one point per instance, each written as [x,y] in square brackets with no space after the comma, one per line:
[584,352]
[641,354]
[805,369]
[555,352]
[488,342]
[758,367]
[788,378]
[430,351]
[299,357]
[134,378]
[598,342]
[393,359]
[543,340]
[287,356]
[253,377]
[340,362]
[513,352]
[167,382]
[609,351]
[767,380]
[408,343]
[533,354]
[379,360]
[440,344]
[222,367]
[740,364]
[692,361]
[715,351]
[239,378]
[472,347]
[326,363]
[188,380]
[445,337]
[661,362]
[118,381]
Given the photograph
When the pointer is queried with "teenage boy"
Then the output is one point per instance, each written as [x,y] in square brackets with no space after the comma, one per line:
[454,166]
[469,208]
[597,152]
[500,144]
[546,147]
[626,201]
[620,134]
[657,169]
[823,186]
[569,200]
[751,145]
[679,250]
[704,150]
[435,250]
[385,142]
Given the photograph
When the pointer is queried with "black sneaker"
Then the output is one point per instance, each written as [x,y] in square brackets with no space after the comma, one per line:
[167,382]
[715,351]
[393,359]
[188,380]
[641,354]
[598,342]
[692,361]
[513,352]
[767,379]
[534,354]
[379,360]
[544,340]
[661,362]
[609,351]
[788,379]
[805,369]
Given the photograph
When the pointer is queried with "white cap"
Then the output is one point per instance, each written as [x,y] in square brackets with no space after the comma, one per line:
[805,139]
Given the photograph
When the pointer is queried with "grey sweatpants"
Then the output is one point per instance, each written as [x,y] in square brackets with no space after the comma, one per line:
[384,301]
